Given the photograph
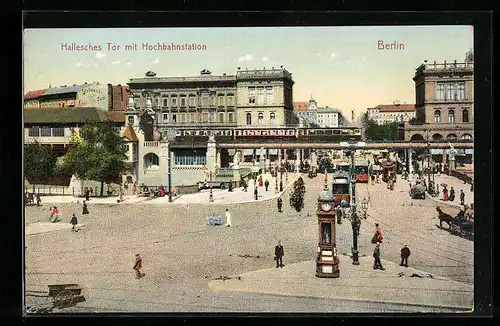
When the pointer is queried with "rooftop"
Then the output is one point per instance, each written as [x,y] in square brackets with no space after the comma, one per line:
[328,110]
[34,94]
[445,66]
[395,107]
[63,115]
[129,134]
[297,106]
[65,89]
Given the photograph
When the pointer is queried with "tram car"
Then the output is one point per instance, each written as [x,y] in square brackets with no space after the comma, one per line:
[388,171]
[340,187]
[343,166]
[361,171]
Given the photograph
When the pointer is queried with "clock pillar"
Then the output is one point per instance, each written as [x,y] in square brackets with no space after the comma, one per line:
[327,261]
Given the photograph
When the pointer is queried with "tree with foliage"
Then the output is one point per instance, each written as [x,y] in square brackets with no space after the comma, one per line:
[97,154]
[297,197]
[374,131]
[39,163]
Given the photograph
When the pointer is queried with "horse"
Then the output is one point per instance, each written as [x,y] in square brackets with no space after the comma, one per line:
[443,217]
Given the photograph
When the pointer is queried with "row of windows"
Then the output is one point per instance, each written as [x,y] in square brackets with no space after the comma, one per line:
[193,117]
[193,101]
[261,95]
[260,118]
[451,115]
[450,91]
[45,132]
[190,158]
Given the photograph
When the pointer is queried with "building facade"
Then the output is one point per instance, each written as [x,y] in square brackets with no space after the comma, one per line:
[444,101]
[329,118]
[306,111]
[387,113]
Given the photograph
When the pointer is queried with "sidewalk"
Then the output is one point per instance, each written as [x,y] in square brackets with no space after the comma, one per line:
[237,196]
[36,228]
[358,283]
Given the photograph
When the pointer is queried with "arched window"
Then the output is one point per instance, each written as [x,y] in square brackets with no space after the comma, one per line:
[451,116]
[260,118]
[451,137]
[437,136]
[466,137]
[416,137]
[437,116]
[249,118]
[272,118]
[465,115]
[131,120]
[151,161]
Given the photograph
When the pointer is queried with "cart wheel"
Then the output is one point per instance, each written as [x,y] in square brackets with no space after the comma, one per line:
[63,299]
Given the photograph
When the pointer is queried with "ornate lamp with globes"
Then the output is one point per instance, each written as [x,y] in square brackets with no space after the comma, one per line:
[327,262]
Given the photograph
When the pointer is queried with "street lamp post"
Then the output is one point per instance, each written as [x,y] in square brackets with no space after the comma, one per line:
[211,196]
[356,224]
[428,164]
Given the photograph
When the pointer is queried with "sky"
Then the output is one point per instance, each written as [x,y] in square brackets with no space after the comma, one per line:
[340,67]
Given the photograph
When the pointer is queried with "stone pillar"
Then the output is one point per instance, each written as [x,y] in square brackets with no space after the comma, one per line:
[217,163]
[297,160]
[410,161]
[314,159]
[164,171]
[211,157]
[444,160]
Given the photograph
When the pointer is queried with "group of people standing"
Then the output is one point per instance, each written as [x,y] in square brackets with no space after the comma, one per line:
[377,240]
[450,196]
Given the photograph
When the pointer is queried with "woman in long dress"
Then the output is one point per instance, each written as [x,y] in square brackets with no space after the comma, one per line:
[84,208]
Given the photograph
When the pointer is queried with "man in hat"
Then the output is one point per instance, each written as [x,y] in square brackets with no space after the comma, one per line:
[256,193]
[280,204]
[462,197]
[279,252]
[74,222]
[266,184]
[138,266]
[405,253]
[377,264]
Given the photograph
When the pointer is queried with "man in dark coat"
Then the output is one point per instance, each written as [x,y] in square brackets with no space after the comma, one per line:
[38,200]
[84,208]
[279,252]
[87,194]
[281,185]
[377,264]
[138,266]
[266,184]
[452,194]
[280,204]
[405,253]
[255,193]
[74,222]
[462,197]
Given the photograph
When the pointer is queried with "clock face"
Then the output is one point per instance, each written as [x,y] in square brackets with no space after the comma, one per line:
[326,206]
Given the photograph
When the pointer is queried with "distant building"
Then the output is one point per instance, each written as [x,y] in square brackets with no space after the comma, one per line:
[118,96]
[329,117]
[84,95]
[306,111]
[387,113]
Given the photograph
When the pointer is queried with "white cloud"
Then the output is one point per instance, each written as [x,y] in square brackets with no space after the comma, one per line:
[247,57]
[265,59]
[117,62]
[79,64]
[100,55]
[319,55]
[95,65]
[333,54]
[128,63]
[156,60]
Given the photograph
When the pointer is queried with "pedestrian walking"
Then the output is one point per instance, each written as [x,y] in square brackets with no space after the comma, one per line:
[280,204]
[54,214]
[377,237]
[445,194]
[87,194]
[373,179]
[228,218]
[266,184]
[38,199]
[84,208]
[281,185]
[405,253]
[74,222]
[256,193]
[279,252]
[452,194]
[377,264]
[462,197]
[138,266]
[338,213]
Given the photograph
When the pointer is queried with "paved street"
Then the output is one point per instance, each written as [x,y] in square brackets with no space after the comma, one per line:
[182,255]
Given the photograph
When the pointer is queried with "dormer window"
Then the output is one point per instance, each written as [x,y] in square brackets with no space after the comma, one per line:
[131,120]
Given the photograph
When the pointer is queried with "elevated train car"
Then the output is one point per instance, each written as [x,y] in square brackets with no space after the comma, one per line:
[361,171]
